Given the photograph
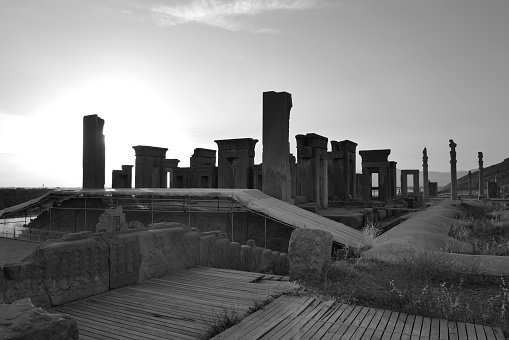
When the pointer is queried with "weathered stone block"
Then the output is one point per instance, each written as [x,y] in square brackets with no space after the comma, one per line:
[235,255]
[167,250]
[257,259]
[207,250]
[111,220]
[309,251]
[136,226]
[125,258]
[284,264]
[276,262]
[74,267]
[266,260]
[22,321]
[246,258]
[222,253]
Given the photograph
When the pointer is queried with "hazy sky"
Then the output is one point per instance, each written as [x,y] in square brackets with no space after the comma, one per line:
[396,74]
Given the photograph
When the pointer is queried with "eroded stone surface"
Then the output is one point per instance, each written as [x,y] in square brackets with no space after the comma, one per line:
[167,250]
[22,321]
[309,252]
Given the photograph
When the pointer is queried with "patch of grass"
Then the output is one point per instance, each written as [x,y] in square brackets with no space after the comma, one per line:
[488,236]
[419,284]
[227,318]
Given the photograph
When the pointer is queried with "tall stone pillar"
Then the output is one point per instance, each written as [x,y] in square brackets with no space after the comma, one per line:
[392,179]
[150,167]
[276,176]
[425,173]
[481,175]
[454,180]
[469,184]
[93,152]
[235,163]
[404,184]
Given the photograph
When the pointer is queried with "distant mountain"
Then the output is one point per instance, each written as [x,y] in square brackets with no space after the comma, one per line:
[443,178]
[500,171]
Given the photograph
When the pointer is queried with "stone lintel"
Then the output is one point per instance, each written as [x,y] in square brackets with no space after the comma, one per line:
[313,140]
[171,163]
[409,172]
[236,144]
[375,155]
[128,168]
[143,150]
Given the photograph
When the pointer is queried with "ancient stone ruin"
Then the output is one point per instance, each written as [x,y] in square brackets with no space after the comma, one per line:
[454,180]
[150,167]
[122,178]
[235,164]
[312,175]
[93,152]
[276,174]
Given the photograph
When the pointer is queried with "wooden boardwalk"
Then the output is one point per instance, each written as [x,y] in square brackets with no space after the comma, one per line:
[292,317]
[178,306]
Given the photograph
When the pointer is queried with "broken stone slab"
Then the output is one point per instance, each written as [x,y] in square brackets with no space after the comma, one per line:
[21,320]
[167,250]
[309,252]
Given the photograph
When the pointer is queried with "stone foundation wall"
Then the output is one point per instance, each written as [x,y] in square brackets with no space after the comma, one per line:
[85,264]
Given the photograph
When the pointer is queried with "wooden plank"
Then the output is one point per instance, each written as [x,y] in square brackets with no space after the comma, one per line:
[416,330]
[182,325]
[452,328]
[407,329]
[490,334]
[398,329]
[498,334]
[479,331]
[373,324]
[426,328]
[149,331]
[309,320]
[380,328]
[288,313]
[443,330]
[260,318]
[354,325]
[346,322]
[435,329]
[462,330]
[390,326]
[471,331]
[326,322]
[363,326]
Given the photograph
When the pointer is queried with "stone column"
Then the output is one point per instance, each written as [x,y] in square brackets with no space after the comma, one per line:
[454,181]
[404,184]
[481,175]
[93,152]
[276,176]
[425,173]
[325,181]
[469,184]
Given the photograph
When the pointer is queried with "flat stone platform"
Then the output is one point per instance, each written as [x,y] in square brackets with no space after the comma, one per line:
[178,306]
[294,317]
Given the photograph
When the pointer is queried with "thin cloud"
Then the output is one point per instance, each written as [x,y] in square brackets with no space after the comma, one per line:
[225,14]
